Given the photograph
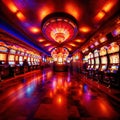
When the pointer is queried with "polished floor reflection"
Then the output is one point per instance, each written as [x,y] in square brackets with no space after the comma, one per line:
[47,95]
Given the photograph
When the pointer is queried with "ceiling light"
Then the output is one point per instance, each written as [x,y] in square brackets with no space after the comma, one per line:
[84,29]
[41,39]
[34,29]
[72,44]
[59,29]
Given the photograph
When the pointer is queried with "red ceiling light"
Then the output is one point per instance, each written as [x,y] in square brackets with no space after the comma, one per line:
[59,29]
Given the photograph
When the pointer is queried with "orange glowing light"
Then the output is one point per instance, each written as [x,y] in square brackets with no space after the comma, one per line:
[34,29]
[103,39]
[51,94]
[73,10]
[69,48]
[44,11]
[10,5]
[100,15]
[41,40]
[59,100]
[72,44]
[109,6]
[84,29]
[78,40]
[20,16]
[48,44]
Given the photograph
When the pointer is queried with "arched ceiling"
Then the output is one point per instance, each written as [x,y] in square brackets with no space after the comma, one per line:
[27,16]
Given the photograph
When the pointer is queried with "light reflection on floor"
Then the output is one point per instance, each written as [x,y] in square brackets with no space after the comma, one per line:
[48,95]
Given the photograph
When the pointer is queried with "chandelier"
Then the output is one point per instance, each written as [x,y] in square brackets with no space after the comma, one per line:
[59,29]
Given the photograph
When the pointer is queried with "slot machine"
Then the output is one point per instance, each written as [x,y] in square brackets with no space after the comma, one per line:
[92,61]
[104,63]
[25,63]
[35,61]
[11,61]
[89,62]
[113,75]
[91,72]
[97,60]
[21,61]
[97,65]
[17,65]
[4,67]
[32,62]
[29,63]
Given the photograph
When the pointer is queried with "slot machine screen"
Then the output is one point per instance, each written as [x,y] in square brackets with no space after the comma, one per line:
[88,67]
[97,66]
[25,57]
[97,61]
[21,60]
[31,59]
[114,67]
[29,63]
[92,61]
[114,58]
[11,59]
[104,60]
[28,58]
[89,61]
[3,57]
[91,66]
[16,58]
[104,67]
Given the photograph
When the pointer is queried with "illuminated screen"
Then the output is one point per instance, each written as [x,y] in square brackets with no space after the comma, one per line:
[89,61]
[11,62]
[29,63]
[21,63]
[25,57]
[96,54]
[114,67]
[22,53]
[18,52]
[11,57]
[20,58]
[97,66]
[97,61]
[2,57]
[91,66]
[92,61]
[104,67]
[88,66]
[3,49]
[12,51]
[16,58]
[31,59]
[28,58]
[104,60]
[114,58]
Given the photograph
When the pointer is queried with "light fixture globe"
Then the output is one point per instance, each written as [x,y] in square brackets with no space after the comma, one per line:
[59,27]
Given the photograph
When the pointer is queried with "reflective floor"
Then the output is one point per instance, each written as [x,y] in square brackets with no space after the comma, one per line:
[56,96]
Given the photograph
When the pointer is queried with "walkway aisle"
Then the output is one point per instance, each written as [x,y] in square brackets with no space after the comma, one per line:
[55,96]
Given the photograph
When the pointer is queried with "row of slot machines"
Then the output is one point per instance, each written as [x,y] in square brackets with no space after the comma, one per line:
[104,64]
[14,62]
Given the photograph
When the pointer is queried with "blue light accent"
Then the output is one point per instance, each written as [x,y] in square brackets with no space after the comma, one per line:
[6,27]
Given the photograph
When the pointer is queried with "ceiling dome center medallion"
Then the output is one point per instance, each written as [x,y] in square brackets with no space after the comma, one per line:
[59,28]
